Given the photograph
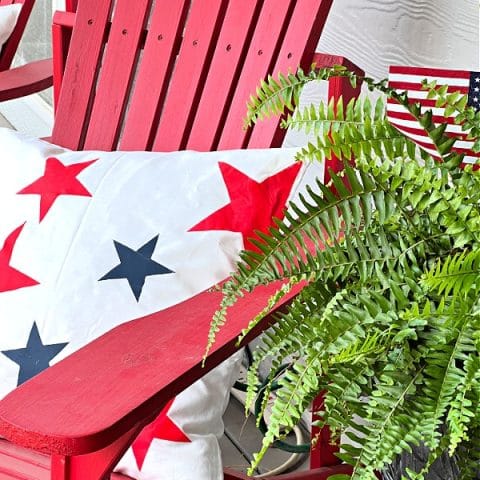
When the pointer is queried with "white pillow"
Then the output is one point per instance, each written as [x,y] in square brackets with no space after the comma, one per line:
[8,19]
[89,240]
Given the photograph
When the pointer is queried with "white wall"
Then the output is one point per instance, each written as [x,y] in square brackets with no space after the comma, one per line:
[377,33]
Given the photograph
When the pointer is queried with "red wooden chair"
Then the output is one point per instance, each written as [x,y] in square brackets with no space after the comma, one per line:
[26,79]
[197,68]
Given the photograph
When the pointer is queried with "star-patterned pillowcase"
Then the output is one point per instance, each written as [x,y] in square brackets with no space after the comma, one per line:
[89,240]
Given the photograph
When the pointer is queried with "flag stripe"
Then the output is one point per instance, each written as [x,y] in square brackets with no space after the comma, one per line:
[438,113]
[419,89]
[461,82]
[427,71]
[414,128]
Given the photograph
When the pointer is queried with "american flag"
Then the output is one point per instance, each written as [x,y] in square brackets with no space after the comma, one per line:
[410,79]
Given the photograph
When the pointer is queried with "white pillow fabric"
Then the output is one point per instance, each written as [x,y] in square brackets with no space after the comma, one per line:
[8,19]
[92,239]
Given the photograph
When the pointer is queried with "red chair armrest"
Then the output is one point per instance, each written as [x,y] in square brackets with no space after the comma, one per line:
[93,397]
[25,80]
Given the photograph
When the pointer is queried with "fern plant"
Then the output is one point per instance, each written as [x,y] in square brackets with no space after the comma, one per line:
[389,322]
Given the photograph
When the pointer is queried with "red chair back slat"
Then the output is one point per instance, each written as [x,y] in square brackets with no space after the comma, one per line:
[189,74]
[116,74]
[273,17]
[299,42]
[174,74]
[223,73]
[164,35]
[10,48]
[78,83]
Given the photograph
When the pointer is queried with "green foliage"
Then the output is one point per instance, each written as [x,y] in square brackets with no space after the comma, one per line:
[389,322]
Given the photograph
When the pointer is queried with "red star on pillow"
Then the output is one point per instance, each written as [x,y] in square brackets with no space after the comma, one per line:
[58,179]
[252,204]
[162,428]
[11,278]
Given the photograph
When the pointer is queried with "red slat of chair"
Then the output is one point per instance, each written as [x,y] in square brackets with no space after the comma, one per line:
[299,43]
[338,87]
[62,27]
[71,5]
[189,74]
[53,414]
[25,80]
[225,64]
[18,463]
[116,74]
[11,45]
[80,74]
[263,47]
[159,54]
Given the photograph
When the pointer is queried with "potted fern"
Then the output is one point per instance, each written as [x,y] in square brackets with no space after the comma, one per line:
[389,323]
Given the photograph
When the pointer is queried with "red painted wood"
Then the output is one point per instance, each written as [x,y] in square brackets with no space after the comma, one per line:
[189,74]
[136,372]
[223,74]
[338,87]
[71,5]
[322,452]
[116,74]
[11,45]
[316,474]
[305,26]
[256,66]
[25,80]
[30,78]
[61,36]
[164,34]
[18,463]
[94,466]
[80,73]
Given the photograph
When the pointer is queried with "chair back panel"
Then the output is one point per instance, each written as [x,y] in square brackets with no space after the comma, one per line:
[10,48]
[173,74]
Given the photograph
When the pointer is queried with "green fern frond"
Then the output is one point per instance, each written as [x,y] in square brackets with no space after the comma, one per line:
[355,131]
[455,274]
[390,343]
[274,96]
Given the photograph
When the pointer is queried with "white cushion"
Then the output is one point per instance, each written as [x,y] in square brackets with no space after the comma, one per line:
[76,228]
[8,19]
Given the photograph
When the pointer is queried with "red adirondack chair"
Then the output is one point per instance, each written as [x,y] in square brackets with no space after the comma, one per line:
[26,79]
[199,64]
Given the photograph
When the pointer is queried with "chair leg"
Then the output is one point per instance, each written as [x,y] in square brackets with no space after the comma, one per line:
[93,466]
[322,453]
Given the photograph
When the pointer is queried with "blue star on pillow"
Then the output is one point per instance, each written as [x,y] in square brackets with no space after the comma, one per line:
[35,357]
[136,265]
